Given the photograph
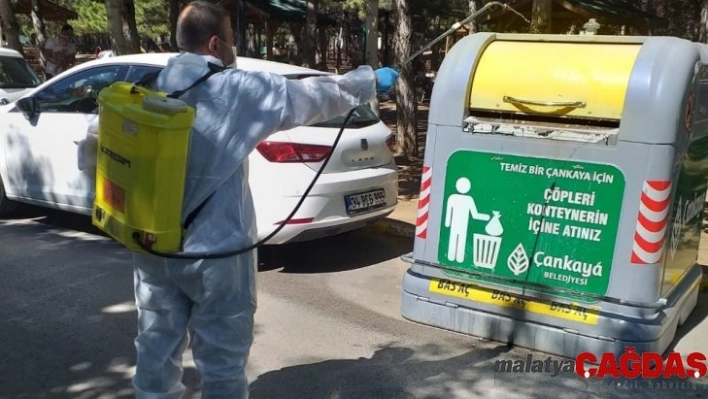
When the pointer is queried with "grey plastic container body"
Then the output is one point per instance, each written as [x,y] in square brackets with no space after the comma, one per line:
[658,160]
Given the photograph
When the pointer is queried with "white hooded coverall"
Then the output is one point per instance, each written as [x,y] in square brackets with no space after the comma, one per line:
[235,110]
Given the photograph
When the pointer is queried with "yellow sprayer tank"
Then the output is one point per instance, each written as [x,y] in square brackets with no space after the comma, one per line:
[143,143]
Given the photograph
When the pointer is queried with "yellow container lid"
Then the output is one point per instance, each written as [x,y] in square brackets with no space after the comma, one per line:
[145,107]
[575,78]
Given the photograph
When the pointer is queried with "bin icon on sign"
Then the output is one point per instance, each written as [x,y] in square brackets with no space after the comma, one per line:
[486,246]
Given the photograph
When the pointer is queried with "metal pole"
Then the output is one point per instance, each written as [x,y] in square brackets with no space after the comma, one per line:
[454,28]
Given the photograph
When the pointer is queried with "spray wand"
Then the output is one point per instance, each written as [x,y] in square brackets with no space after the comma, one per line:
[457,26]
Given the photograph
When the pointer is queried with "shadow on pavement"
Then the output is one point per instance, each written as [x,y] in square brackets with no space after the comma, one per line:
[391,373]
[347,251]
[68,323]
[68,317]
[343,252]
[430,373]
[54,218]
[698,315]
[68,314]
[60,230]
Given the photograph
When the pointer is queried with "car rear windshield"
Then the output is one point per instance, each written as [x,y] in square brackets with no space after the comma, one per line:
[363,116]
[15,73]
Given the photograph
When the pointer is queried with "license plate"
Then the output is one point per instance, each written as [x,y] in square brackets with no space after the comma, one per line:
[365,202]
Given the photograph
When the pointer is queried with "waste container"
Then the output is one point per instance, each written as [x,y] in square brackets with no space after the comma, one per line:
[563,189]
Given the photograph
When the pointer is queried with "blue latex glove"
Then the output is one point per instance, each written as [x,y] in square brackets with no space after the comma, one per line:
[385,79]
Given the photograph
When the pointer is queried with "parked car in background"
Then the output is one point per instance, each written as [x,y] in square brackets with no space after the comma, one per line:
[17,77]
[40,136]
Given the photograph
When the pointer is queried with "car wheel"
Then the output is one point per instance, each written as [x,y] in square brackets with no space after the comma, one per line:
[6,206]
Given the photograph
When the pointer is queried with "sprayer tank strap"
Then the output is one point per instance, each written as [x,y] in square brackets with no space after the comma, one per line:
[193,215]
[213,69]
[148,79]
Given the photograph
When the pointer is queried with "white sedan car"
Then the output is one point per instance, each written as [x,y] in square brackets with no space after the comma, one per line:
[39,154]
[17,77]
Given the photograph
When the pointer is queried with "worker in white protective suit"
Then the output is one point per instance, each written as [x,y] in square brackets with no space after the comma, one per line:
[235,110]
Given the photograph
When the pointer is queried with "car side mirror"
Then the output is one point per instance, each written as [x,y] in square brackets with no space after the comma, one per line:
[28,107]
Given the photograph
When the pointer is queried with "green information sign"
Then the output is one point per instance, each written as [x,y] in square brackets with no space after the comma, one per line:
[536,220]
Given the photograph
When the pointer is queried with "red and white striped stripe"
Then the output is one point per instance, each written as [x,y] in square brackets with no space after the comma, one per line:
[652,221]
[421,228]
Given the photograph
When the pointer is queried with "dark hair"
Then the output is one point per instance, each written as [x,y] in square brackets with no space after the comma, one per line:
[66,28]
[196,27]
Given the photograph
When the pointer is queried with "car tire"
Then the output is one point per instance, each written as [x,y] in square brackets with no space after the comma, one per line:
[6,206]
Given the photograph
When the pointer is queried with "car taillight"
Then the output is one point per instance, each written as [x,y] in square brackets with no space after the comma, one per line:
[297,221]
[275,151]
[391,143]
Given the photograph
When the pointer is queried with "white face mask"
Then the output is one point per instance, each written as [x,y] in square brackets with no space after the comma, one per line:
[233,64]
[233,48]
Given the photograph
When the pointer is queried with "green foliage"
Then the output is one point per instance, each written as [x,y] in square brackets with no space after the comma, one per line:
[360,6]
[152,16]
[92,15]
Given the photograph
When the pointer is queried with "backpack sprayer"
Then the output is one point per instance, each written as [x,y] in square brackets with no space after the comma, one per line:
[143,146]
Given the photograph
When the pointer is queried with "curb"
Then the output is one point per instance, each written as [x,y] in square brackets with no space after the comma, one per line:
[394,227]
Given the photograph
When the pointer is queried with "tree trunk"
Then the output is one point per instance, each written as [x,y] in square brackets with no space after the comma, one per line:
[372,41]
[121,23]
[174,16]
[324,46]
[251,44]
[703,31]
[683,17]
[295,52]
[38,23]
[270,29]
[130,26]
[647,6]
[386,46]
[241,42]
[309,39]
[406,105]
[472,25]
[372,33]
[692,12]
[338,45]
[10,27]
[541,16]
[435,50]
[355,41]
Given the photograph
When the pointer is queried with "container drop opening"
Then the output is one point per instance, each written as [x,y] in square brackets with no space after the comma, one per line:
[596,131]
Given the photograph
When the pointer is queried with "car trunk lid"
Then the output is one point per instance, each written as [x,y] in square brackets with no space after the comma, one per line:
[362,145]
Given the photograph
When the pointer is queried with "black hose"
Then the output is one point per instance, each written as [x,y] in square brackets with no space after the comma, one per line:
[207,255]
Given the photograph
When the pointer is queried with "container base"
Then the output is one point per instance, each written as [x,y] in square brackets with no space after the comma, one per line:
[657,331]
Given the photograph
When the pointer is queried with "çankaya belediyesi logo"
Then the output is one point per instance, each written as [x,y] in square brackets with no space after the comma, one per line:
[629,365]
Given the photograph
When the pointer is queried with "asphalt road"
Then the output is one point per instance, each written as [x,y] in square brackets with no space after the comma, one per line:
[328,326]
